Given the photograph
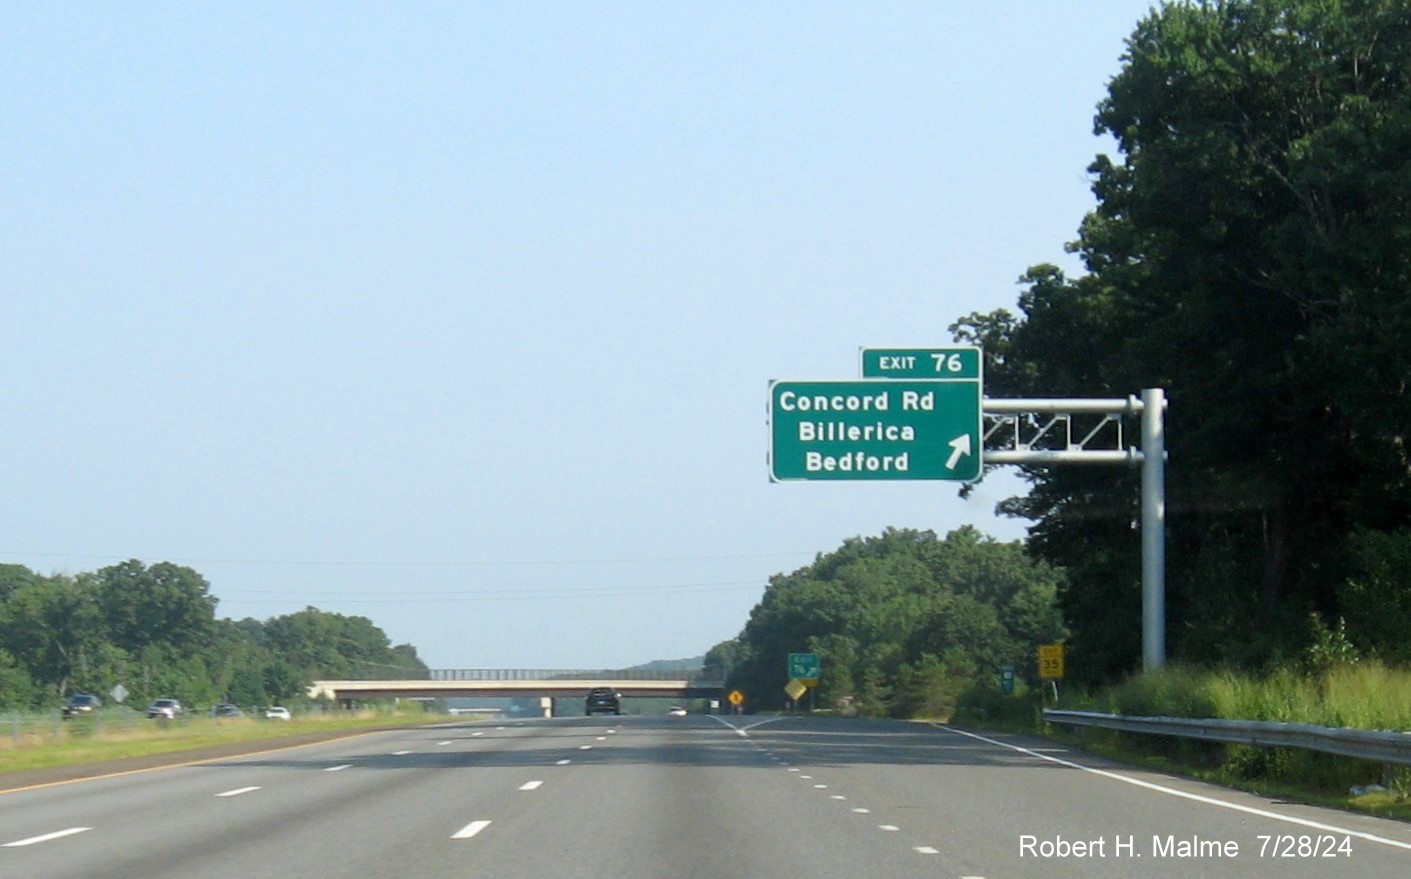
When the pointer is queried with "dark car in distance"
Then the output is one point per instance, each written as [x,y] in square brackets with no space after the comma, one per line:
[602,700]
[80,704]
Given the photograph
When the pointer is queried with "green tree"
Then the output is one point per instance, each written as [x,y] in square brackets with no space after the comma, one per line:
[1249,254]
[13,577]
[332,645]
[890,616]
[165,605]
[54,629]
[17,688]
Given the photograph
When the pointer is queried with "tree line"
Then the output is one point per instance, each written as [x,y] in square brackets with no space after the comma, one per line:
[901,622]
[1251,254]
[153,629]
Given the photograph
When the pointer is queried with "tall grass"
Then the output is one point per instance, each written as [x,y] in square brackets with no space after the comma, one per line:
[1362,695]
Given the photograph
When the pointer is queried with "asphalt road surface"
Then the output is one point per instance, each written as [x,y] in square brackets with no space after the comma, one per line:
[673,797]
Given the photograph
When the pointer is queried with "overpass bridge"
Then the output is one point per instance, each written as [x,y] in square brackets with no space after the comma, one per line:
[543,684]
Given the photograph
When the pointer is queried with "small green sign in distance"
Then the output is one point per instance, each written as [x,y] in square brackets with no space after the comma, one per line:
[875,430]
[804,666]
[933,363]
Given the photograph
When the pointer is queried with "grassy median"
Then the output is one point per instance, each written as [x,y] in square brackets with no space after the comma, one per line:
[28,743]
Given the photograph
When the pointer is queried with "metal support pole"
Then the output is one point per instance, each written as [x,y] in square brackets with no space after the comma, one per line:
[1153,529]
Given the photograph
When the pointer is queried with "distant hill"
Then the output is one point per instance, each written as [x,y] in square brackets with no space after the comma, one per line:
[695,664]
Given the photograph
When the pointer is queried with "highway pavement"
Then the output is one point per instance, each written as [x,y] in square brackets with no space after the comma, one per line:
[660,796]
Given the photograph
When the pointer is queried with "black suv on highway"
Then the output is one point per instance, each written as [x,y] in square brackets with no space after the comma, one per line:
[80,705]
[603,700]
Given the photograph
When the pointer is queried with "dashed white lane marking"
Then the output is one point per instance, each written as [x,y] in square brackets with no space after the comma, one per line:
[601,739]
[470,830]
[563,762]
[238,791]
[400,753]
[35,840]
[837,797]
[445,743]
[820,787]
[927,850]
[863,811]
[890,828]
[475,734]
[585,747]
[531,785]
[339,768]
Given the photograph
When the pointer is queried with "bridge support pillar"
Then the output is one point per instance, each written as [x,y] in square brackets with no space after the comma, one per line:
[546,706]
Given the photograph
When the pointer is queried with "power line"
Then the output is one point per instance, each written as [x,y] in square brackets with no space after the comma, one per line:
[495,595]
[467,563]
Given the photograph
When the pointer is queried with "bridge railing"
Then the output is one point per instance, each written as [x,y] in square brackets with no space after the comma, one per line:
[550,674]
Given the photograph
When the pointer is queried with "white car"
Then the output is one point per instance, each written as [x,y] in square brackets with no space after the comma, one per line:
[168,709]
[676,711]
[277,713]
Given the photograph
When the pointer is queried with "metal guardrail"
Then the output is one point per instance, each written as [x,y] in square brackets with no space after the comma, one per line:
[1379,746]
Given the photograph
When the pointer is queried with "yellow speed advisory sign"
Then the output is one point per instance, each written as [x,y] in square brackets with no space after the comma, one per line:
[1051,662]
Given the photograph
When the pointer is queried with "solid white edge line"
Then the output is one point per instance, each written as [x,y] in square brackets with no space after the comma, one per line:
[1199,798]
[238,791]
[470,830]
[35,840]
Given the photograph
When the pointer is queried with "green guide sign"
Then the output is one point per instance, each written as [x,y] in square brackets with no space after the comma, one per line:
[874,430]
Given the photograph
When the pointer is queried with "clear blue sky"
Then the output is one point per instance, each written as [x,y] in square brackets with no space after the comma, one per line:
[461,316]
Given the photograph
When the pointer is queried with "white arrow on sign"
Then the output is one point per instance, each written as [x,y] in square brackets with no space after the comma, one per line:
[960,446]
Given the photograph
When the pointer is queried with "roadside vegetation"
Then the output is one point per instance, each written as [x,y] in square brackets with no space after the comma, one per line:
[152,631]
[1364,695]
[44,741]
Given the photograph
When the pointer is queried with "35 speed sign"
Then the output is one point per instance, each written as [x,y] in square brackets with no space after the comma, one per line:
[1051,662]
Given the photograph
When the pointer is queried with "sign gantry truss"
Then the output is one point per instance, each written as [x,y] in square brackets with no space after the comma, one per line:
[1052,431]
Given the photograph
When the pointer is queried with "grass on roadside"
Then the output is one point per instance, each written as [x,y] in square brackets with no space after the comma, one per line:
[1363,695]
[88,741]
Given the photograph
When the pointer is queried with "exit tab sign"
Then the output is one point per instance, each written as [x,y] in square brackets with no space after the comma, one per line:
[928,363]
